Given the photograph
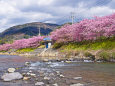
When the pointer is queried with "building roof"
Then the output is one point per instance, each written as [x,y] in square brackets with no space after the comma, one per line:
[47,39]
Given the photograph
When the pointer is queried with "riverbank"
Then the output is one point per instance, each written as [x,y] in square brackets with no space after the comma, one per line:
[100,50]
[58,55]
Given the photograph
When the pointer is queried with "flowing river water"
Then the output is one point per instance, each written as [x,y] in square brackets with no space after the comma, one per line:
[86,73]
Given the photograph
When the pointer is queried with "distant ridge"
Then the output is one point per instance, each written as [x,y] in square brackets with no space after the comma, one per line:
[28,30]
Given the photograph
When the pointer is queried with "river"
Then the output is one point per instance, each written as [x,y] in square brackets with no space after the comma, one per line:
[87,73]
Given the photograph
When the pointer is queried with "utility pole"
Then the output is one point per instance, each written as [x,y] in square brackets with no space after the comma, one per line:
[72,17]
[28,30]
[39,31]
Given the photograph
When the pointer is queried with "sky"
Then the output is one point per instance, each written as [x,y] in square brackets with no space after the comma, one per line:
[16,12]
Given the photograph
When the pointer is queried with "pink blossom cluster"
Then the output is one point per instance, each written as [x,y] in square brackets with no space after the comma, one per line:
[5,47]
[88,29]
[23,43]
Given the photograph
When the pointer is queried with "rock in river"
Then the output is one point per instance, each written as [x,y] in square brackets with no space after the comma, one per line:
[11,76]
[55,84]
[26,78]
[27,63]
[45,60]
[62,76]
[32,74]
[47,78]
[11,70]
[39,83]
[78,84]
[77,78]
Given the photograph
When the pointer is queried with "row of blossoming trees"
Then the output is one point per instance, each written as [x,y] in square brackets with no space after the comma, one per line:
[23,43]
[88,29]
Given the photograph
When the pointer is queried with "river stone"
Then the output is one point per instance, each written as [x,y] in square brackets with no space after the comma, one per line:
[55,84]
[32,74]
[77,78]
[26,78]
[78,84]
[41,72]
[47,78]
[71,59]
[62,76]
[28,73]
[39,83]
[58,72]
[45,60]
[27,63]
[62,61]
[68,61]
[11,70]
[47,85]
[51,74]
[24,74]
[11,76]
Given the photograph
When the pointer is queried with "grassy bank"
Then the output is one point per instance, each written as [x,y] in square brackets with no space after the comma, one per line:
[105,44]
[25,50]
[102,48]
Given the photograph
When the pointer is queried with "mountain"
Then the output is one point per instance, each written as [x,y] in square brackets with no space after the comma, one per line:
[28,30]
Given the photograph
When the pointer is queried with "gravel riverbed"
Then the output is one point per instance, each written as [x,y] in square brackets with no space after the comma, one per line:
[69,73]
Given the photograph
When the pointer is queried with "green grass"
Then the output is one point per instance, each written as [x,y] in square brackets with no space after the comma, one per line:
[105,44]
[3,51]
[24,50]
[41,46]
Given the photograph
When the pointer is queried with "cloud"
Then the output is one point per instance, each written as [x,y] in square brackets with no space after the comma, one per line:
[94,11]
[14,12]
[112,4]
[45,2]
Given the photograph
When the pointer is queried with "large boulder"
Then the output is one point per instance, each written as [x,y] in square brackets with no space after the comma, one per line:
[11,76]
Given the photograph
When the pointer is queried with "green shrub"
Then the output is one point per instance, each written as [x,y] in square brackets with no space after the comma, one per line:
[113,55]
[105,56]
[57,45]
[87,54]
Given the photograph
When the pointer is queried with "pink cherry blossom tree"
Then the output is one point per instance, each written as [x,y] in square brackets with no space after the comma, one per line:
[88,29]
